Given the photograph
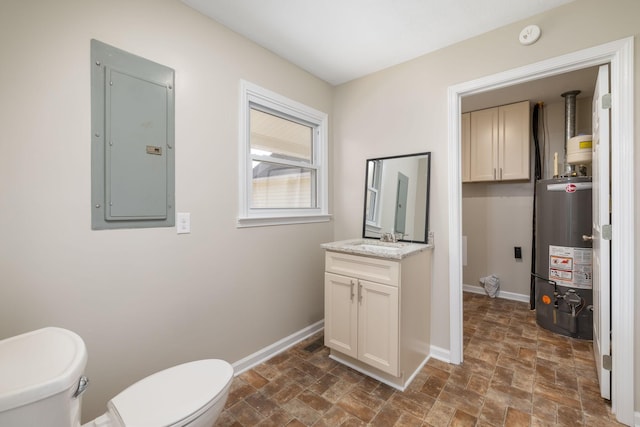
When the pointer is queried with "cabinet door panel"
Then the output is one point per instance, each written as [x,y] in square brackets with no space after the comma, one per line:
[378,326]
[484,149]
[341,314]
[514,147]
[465,139]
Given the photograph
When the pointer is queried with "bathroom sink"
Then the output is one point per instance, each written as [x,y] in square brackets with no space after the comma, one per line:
[384,248]
[376,248]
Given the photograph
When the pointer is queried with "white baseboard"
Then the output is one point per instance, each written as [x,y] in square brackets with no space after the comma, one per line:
[501,294]
[268,352]
[442,354]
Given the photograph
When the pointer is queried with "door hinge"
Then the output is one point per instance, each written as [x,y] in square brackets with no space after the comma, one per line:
[605,101]
[606,231]
[606,362]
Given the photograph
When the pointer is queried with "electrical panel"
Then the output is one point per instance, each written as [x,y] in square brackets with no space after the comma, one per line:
[132,140]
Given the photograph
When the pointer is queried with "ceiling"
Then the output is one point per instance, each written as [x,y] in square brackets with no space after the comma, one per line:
[547,90]
[341,40]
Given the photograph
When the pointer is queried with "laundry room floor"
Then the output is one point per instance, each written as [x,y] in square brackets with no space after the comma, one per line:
[514,374]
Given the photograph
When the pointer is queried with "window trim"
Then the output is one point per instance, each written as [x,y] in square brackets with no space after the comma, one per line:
[247,217]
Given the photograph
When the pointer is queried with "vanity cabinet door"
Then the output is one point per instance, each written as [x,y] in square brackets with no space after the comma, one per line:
[341,314]
[378,334]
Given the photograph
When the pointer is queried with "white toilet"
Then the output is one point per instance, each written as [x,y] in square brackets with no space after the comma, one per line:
[41,384]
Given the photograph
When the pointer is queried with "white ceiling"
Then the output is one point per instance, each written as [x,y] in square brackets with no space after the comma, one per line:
[340,40]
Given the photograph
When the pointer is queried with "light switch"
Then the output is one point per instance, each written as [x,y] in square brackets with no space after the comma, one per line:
[183,223]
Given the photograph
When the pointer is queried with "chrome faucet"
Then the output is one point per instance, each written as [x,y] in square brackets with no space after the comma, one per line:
[388,237]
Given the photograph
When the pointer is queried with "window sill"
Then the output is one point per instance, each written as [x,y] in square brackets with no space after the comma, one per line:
[245,222]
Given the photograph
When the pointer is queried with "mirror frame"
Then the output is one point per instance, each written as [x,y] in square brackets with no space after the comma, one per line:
[426,154]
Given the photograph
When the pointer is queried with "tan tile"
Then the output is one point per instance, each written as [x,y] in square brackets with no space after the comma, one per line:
[286,393]
[262,404]
[245,414]
[383,391]
[267,371]
[462,419]
[315,401]
[238,391]
[557,394]
[333,417]
[493,412]
[433,386]
[254,379]
[459,398]
[517,418]
[324,383]
[356,407]
[277,419]
[353,422]
[502,375]
[300,377]
[569,416]
[408,420]
[301,411]
[478,384]
[544,409]
[440,414]
[523,379]
[337,391]
[545,374]
[435,372]
[387,416]
[411,406]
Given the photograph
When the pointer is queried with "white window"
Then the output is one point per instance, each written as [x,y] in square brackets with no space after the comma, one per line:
[283,160]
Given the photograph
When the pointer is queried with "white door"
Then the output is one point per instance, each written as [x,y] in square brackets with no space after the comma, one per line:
[601,247]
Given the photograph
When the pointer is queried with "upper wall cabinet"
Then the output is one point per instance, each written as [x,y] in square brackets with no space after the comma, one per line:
[497,143]
[466,147]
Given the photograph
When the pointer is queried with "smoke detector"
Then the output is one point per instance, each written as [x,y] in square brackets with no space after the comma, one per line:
[529,35]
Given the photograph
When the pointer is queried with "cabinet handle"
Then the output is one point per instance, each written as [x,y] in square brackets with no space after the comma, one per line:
[500,174]
[494,174]
[352,294]
[359,292]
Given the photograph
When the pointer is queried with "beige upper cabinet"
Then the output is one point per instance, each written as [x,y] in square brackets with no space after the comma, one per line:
[498,143]
[465,137]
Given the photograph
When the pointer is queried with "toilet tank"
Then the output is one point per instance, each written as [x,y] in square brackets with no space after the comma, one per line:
[39,376]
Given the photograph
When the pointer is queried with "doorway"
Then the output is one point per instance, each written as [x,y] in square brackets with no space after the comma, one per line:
[620,56]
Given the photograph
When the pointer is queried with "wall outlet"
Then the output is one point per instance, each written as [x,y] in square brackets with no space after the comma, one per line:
[517,252]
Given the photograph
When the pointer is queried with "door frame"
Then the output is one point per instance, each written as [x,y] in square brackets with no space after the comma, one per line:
[620,54]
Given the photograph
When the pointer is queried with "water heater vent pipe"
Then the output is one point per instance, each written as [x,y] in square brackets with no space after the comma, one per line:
[569,123]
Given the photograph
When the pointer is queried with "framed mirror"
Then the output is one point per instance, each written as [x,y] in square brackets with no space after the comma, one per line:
[397,197]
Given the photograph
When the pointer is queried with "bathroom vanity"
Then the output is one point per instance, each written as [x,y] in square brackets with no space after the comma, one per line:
[377,299]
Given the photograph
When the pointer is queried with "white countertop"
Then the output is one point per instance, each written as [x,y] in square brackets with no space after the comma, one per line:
[376,248]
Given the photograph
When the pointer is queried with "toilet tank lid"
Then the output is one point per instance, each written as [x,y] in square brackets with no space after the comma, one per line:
[169,396]
[39,364]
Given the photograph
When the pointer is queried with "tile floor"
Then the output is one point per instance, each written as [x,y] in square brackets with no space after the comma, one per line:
[514,374]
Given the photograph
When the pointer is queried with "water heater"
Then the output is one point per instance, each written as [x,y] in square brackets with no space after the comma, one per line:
[563,288]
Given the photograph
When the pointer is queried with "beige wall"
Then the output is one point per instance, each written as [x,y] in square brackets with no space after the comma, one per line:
[142,299]
[404,109]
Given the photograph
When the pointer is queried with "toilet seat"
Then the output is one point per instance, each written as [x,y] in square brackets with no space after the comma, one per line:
[172,397]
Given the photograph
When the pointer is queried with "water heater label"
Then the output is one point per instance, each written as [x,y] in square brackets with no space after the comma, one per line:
[571,187]
[571,267]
